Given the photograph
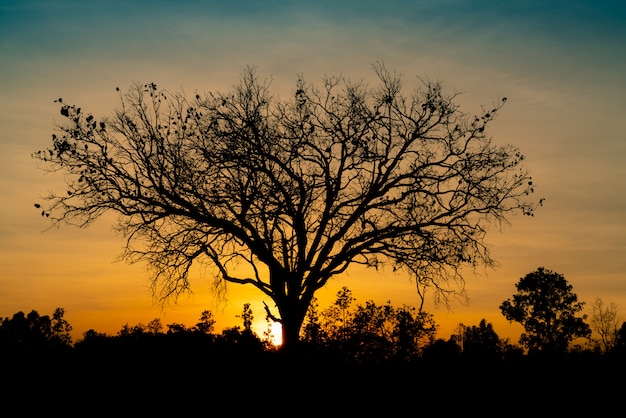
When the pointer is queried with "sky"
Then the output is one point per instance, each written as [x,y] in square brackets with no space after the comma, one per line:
[561,65]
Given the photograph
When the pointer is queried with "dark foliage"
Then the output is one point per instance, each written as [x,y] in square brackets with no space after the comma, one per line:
[142,371]
[371,333]
[547,308]
[34,333]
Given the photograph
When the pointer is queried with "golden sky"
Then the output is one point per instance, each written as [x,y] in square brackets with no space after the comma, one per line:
[562,67]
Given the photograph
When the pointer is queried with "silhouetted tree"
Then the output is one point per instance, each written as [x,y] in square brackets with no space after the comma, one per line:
[245,340]
[298,190]
[383,332]
[34,332]
[340,314]
[132,332]
[311,330]
[335,320]
[546,307]
[61,328]
[371,332]
[481,342]
[154,326]
[620,343]
[207,323]
[247,316]
[605,321]
[414,329]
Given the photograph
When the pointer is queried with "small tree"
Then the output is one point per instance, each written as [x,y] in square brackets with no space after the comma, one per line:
[207,323]
[546,307]
[132,332]
[605,321]
[293,191]
[242,340]
[61,328]
[312,329]
[620,342]
[481,341]
[154,327]
[343,302]
[336,319]
[371,332]
[413,331]
[247,317]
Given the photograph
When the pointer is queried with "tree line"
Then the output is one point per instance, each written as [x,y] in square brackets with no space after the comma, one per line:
[356,333]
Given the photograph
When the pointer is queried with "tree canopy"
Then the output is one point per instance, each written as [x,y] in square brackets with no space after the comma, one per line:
[283,195]
[546,307]
[32,332]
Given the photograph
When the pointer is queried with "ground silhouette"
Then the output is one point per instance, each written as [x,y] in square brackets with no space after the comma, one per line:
[142,370]
[167,376]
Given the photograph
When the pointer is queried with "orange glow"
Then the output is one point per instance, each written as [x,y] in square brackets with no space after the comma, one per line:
[565,111]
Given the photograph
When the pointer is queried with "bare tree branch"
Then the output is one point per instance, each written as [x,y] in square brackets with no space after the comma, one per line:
[284,195]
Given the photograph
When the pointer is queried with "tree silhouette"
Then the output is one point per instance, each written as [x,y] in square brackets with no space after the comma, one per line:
[620,342]
[605,321]
[312,328]
[369,333]
[481,342]
[207,323]
[245,340]
[383,332]
[285,194]
[546,307]
[414,330]
[34,332]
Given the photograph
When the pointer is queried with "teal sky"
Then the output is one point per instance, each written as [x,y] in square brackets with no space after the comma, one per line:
[561,64]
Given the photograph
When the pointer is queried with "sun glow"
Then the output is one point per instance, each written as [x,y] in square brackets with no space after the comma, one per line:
[276,333]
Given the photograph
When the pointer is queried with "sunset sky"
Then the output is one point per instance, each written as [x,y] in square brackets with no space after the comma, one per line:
[561,64]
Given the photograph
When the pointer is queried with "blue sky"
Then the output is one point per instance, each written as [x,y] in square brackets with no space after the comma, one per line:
[561,64]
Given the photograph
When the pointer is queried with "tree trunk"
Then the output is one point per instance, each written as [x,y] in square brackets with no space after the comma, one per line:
[292,319]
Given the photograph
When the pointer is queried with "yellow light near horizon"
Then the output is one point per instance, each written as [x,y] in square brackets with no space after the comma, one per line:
[277,334]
